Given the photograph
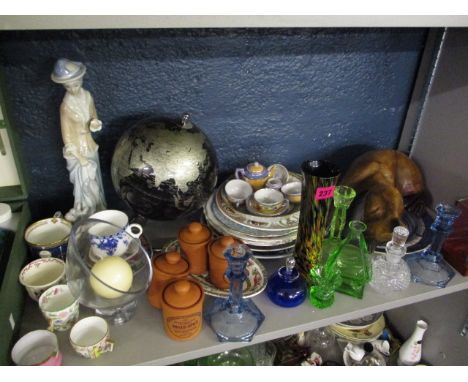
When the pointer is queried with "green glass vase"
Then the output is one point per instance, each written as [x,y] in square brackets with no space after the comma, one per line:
[325,275]
[353,261]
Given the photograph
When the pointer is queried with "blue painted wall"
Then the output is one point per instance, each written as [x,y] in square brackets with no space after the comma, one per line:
[273,95]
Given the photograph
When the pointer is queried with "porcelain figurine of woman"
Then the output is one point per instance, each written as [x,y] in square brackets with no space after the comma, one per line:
[78,118]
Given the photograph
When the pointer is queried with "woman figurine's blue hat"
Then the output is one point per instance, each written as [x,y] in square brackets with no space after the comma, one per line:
[66,71]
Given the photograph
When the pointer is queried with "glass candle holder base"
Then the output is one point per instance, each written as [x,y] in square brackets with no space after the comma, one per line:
[234,325]
[425,271]
[120,315]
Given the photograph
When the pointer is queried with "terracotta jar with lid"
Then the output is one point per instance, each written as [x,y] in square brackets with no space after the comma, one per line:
[166,267]
[182,307]
[217,262]
[193,240]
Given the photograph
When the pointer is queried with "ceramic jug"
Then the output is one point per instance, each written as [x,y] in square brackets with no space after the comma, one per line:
[410,352]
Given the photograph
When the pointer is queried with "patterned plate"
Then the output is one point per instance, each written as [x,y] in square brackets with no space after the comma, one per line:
[248,235]
[255,283]
[368,333]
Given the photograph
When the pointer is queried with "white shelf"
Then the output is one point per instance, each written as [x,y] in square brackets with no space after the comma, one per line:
[245,21]
[142,340]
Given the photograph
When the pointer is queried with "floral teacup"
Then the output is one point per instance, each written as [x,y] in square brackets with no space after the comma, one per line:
[90,337]
[37,348]
[59,307]
[41,274]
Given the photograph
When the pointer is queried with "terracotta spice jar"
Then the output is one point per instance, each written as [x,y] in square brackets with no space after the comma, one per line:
[193,240]
[166,267]
[182,307]
[217,262]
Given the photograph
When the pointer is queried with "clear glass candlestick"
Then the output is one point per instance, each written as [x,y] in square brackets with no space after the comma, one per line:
[429,267]
[235,319]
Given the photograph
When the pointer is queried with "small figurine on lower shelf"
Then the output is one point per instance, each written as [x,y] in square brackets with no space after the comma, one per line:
[411,351]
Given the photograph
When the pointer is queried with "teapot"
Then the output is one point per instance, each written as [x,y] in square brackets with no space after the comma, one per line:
[254,173]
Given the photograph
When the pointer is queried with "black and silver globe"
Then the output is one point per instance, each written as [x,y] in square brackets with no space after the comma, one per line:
[164,169]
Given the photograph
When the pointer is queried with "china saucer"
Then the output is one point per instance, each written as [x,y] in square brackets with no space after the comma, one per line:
[252,207]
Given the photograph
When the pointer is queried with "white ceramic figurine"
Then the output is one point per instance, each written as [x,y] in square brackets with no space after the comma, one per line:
[78,118]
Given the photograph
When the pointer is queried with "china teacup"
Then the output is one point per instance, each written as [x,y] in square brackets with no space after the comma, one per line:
[238,191]
[48,237]
[41,274]
[274,183]
[90,337]
[37,348]
[111,239]
[59,307]
[292,191]
[269,200]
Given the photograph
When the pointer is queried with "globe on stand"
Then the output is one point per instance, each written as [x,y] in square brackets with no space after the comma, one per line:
[164,169]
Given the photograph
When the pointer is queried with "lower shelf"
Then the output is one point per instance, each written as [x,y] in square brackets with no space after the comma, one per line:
[142,340]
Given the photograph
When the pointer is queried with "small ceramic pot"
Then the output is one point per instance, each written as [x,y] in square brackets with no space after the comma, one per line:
[193,240]
[254,173]
[166,267]
[269,200]
[41,274]
[238,191]
[37,348]
[107,240]
[217,262]
[59,307]
[90,337]
[292,191]
[182,306]
[48,237]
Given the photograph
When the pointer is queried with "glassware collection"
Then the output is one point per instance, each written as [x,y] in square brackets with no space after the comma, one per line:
[211,271]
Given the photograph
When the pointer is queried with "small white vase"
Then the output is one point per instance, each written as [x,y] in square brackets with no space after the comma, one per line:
[410,351]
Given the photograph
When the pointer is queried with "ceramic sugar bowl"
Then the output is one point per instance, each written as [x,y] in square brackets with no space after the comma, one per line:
[193,240]
[217,262]
[254,173]
[182,306]
[166,267]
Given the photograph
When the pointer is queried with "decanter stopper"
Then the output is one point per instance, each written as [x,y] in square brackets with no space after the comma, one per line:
[395,249]
[290,264]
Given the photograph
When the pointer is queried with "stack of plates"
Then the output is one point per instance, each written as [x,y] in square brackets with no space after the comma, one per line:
[365,329]
[269,236]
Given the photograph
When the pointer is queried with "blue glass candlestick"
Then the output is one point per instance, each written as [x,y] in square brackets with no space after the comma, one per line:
[235,319]
[429,267]
[285,287]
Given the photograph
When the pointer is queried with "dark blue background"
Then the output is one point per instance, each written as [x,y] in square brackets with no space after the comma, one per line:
[273,95]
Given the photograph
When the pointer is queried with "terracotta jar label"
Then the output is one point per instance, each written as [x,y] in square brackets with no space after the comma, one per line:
[184,327]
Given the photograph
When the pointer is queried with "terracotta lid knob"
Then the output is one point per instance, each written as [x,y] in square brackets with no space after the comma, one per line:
[227,241]
[195,227]
[173,257]
[171,263]
[182,287]
[182,293]
[194,233]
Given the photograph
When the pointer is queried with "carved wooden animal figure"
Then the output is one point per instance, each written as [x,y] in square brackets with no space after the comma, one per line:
[386,176]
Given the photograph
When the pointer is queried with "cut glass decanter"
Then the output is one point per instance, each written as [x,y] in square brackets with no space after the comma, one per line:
[235,319]
[390,273]
[429,267]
